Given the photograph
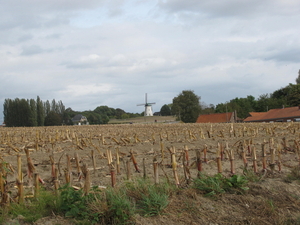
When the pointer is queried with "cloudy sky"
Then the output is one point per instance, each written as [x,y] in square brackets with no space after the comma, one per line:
[111,52]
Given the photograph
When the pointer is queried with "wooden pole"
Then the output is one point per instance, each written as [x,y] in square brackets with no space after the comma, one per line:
[231,158]
[36,184]
[205,154]
[264,157]
[52,167]
[186,151]
[174,167]
[118,161]
[155,168]
[144,168]
[198,161]
[93,160]
[77,164]
[87,183]
[279,157]
[134,161]
[20,175]
[128,172]
[113,175]
[254,159]
[219,162]
[20,191]
[244,155]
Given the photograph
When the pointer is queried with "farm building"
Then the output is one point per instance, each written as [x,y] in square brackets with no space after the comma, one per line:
[229,117]
[79,119]
[276,115]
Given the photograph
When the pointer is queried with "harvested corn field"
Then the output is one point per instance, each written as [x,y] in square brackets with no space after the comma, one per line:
[111,155]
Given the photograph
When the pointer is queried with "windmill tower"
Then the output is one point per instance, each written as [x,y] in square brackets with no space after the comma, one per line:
[148,108]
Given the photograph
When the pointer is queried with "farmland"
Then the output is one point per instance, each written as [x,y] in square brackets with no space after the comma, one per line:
[112,155]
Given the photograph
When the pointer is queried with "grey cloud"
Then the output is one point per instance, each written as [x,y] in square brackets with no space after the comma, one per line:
[230,8]
[53,36]
[285,55]
[31,50]
[25,37]
[35,14]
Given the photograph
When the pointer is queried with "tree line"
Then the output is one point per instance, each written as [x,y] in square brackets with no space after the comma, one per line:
[187,106]
[30,112]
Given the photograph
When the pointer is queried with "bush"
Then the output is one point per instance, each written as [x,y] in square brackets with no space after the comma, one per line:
[74,204]
[43,205]
[219,184]
[120,209]
[150,199]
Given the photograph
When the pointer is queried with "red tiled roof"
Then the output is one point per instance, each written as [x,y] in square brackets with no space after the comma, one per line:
[255,116]
[273,114]
[214,118]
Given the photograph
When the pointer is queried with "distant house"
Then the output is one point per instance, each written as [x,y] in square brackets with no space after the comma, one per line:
[79,120]
[229,117]
[276,115]
[156,114]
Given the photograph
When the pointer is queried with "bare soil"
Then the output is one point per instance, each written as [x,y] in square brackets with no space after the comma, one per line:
[271,200]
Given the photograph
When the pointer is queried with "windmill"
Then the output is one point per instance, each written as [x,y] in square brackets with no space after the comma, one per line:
[148,108]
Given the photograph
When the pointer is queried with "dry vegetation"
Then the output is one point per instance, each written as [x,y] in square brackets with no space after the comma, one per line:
[109,155]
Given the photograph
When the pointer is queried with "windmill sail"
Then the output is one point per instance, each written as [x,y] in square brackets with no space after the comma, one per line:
[148,107]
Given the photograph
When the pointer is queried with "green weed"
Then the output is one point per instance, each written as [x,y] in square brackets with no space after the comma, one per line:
[74,204]
[219,184]
[120,208]
[150,199]
[43,205]
[251,176]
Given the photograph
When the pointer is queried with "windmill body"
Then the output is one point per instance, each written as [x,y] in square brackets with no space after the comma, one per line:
[148,107]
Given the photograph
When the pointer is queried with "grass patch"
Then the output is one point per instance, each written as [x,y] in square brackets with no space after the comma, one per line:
[120,208]
[150,199]
[43,205]
[74,204]
[219,184]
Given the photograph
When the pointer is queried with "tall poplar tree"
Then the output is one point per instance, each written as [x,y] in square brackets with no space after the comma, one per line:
[33,117]
[298,78]
[40,116]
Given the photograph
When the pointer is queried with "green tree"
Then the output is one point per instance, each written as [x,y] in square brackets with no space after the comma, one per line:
[287,96]
[165,110]
[298,78]
[263,103]
[119,113]
[241,105]
[105,110]
[7,112]
[47,108]
[40,116]
[53,119]
[207,109]
[124,116]
[94,118]
[294,95]
[33,118]
[25,113]
[186,106]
